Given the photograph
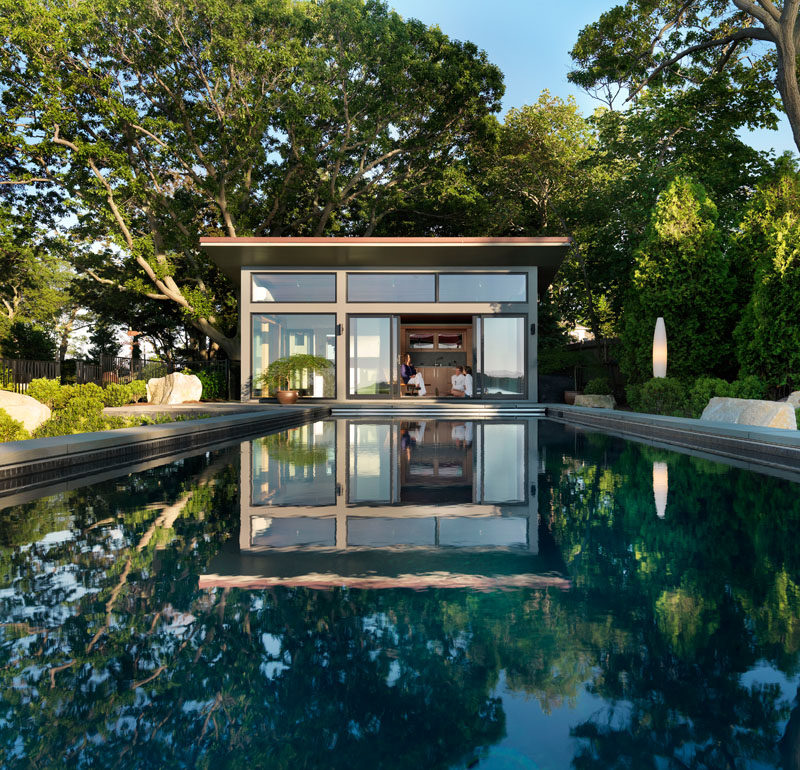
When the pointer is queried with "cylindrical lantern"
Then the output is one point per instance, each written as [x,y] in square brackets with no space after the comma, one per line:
[660,488]
[660,349]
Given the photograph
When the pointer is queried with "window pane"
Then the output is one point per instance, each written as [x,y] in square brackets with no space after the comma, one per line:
[504,356]
[370,356]
[482,287]
[450,342]
[278,336]
[294,287]
[391,287]
[420,341]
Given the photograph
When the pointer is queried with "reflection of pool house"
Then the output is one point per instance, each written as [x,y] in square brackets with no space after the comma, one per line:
[363,303]
[373,504]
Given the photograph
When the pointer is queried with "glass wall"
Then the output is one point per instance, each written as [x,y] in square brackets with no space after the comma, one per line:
[294,287]
[370,356]
[286,334]
[391,287]
[483,287]
[504,356]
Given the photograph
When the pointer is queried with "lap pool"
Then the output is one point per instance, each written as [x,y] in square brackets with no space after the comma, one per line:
[367,593]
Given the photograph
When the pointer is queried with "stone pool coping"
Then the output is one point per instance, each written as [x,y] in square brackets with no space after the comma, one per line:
[36,462]
[774,448]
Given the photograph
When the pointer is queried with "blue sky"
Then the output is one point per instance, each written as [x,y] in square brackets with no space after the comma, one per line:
[530,41]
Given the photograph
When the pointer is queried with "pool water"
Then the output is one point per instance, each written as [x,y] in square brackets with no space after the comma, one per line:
[394,594]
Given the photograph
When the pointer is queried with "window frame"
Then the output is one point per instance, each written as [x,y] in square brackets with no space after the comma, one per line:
[336,336]
[431,273]
[479,301]
[254,273]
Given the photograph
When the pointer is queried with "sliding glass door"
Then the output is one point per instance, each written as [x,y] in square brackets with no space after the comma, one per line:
[371,354]
[500,356]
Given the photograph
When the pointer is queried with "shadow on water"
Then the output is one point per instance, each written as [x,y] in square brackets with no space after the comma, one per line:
[390,594]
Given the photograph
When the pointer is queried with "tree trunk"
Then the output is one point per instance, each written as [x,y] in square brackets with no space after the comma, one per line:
[786,81]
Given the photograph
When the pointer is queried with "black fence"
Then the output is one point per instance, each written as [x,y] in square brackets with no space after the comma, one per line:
[220,378]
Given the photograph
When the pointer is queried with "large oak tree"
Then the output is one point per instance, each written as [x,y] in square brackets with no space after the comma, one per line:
[684,42]
[159,121]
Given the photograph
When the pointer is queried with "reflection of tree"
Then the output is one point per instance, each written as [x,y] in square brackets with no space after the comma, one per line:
[112,655]
[690,603]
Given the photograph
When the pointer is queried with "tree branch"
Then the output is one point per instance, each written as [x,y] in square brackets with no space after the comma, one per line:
[754,33]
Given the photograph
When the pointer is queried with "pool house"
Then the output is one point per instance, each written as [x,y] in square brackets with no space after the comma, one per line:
[365,303]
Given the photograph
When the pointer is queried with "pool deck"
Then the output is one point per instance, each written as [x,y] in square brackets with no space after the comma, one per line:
[747,445]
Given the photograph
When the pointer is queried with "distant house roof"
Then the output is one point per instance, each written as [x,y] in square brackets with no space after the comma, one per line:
[232,254]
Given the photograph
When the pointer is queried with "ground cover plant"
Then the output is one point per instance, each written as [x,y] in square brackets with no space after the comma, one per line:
[79,409]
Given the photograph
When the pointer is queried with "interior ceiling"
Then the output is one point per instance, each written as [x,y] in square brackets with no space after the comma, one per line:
[232,254]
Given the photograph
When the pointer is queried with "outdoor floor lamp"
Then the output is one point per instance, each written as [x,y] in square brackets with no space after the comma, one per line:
[660,349]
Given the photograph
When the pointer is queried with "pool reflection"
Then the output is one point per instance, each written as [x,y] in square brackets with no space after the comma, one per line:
[382,503]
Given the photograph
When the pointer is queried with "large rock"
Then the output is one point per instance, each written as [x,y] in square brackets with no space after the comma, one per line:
[30,412]
[794,399]
[175,388]
[750,411]
[595,401]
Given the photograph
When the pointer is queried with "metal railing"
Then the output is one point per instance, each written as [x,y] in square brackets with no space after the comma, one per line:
[220,378]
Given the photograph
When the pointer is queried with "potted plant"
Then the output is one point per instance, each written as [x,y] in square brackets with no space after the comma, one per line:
[281,372]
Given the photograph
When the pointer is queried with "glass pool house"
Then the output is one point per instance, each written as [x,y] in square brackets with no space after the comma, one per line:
[366,303]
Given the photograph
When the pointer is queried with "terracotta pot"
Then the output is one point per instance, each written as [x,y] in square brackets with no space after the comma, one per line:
[287,396]
[569,396]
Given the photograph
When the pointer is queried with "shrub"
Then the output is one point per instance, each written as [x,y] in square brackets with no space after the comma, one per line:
[137,389]
[213,381]
[749,387]
[116,395]
[598,386]
[44,390]
[11,429]
[662,395]
[81,414]
[703,389]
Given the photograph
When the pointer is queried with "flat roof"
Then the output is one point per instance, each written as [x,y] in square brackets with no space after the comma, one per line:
[233,254]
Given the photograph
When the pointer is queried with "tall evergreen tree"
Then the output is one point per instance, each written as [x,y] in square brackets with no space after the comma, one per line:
[768,247]
[681,273]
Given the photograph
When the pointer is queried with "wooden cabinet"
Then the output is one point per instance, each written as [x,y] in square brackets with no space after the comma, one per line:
[437,340]
[437,377]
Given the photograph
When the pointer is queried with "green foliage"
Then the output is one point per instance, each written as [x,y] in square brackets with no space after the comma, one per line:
[598,386]
[768,334]
[282,371]
[660,395]
[116,395]
[681,274]
[749,387]
[213,380]
[702,390]
[11,429]
[44,390]
[103,341]
[27,341]
[82,413]
[335,112]
[137,390]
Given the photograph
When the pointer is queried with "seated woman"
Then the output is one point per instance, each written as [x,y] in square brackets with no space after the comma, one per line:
[410,376]
[468,381]
[459,383]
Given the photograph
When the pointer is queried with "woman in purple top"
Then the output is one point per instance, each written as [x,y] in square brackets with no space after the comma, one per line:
[410,376]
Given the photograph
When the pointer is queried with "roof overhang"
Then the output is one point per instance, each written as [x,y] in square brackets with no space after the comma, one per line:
[233,254]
